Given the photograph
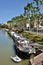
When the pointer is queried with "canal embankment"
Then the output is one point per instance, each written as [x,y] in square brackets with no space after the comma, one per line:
[21,49]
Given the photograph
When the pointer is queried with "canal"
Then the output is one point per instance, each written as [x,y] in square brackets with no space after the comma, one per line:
[7,50]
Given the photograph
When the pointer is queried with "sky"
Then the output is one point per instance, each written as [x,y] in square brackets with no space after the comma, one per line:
[12,8]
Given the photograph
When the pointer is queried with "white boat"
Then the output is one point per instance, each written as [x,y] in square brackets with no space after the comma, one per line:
[12,33]
[6,29]
[16,58]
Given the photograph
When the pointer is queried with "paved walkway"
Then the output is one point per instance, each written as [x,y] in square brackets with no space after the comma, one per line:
[36,45]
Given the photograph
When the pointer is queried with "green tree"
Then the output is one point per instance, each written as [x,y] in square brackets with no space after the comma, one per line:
[10,23]
[28,12]
[38,3]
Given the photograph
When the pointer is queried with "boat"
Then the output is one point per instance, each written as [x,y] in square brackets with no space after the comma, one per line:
[12,33]
[16,58]
[6,29]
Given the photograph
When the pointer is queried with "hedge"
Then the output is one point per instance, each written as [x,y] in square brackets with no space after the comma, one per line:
[33,37]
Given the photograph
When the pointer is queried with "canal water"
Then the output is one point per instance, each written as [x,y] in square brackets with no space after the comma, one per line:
[7,50]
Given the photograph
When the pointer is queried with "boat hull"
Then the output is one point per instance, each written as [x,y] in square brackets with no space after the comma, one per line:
[22,54]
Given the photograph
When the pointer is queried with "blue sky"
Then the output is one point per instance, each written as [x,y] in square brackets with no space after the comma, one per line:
[12,8]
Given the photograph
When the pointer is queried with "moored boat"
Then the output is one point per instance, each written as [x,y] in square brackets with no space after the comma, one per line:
[16,58]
